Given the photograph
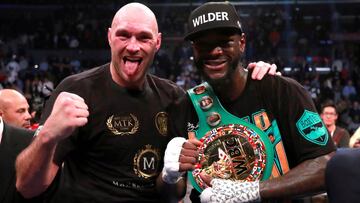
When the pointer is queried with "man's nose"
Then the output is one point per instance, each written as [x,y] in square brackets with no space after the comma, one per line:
[216,50]
[27,115]
[133,45]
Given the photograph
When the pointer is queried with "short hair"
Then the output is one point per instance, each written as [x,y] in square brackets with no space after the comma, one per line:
[329,103]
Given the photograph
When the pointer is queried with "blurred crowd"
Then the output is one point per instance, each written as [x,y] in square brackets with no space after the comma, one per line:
[37,45]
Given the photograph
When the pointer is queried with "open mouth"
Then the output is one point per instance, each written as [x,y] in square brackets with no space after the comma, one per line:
[214,64]
[132,60]
[131,65]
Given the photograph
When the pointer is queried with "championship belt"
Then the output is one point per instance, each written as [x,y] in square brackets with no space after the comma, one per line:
[231,147]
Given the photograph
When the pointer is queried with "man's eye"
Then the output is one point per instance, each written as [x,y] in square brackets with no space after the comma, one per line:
[21,111]
[228,44]
[144,38]
[122,35]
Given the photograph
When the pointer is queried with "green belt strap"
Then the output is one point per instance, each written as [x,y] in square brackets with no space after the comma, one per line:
[212,114]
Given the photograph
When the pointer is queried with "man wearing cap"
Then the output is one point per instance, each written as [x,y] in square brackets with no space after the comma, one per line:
[277,106]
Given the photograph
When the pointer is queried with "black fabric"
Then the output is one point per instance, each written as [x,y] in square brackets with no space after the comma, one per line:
[101,165]
[213,15]
[342,176]
[13,141]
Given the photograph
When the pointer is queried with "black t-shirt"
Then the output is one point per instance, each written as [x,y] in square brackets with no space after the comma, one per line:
[118,154]
[281,108]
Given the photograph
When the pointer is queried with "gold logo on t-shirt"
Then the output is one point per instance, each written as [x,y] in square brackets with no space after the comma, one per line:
[123,125]
[147,161]
[161,122]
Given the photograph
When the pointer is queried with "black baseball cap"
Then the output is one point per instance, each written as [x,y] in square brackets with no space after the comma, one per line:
[213,15]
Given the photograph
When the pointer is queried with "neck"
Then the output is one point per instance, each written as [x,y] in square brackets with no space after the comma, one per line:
[233,88]
[331,128]
[115,75]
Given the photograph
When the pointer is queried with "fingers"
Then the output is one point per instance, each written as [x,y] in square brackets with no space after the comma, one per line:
[187,163]
[188,155]
[186,167]
[206,178]
[189,145]
[260,69]
[263,69]
[73,96]
[193,139]
[272,70]
[189,152]
[191,135]
[69,112]
[80,121]
[80,104]
[81,112]
[255,70]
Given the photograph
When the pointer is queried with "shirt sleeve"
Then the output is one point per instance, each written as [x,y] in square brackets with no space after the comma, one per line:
[183,118]
[302,130]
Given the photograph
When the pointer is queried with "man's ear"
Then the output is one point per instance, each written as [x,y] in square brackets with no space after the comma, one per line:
[109,36]
[158,41]
[242,42]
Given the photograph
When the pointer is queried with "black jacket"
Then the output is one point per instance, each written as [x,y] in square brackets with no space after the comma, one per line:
[13,141]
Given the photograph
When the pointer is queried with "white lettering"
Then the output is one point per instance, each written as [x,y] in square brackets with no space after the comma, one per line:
[224,16]
[196,21]
[217,16]
[205,19]
[212,16]
[149,165]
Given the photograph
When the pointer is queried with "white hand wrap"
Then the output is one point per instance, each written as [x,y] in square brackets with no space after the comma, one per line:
[231,192]
[170,172]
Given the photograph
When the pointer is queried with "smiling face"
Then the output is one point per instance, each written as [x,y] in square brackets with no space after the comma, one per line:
[134,40]
[217,54]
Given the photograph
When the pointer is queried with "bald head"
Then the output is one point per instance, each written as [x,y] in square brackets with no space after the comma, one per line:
[135,12]
[134,39]
[14,108]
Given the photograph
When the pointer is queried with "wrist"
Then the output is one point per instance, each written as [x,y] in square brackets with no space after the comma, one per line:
[44,135]
[37,131]
[231,191]
[171,178]
[170,173]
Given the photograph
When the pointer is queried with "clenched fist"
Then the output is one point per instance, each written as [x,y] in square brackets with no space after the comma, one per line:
[68,113]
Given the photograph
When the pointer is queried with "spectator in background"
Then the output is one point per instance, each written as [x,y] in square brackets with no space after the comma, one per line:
[14,108]
[329,115]
[12,141]
[12,69]
[14,115]
[349,90]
